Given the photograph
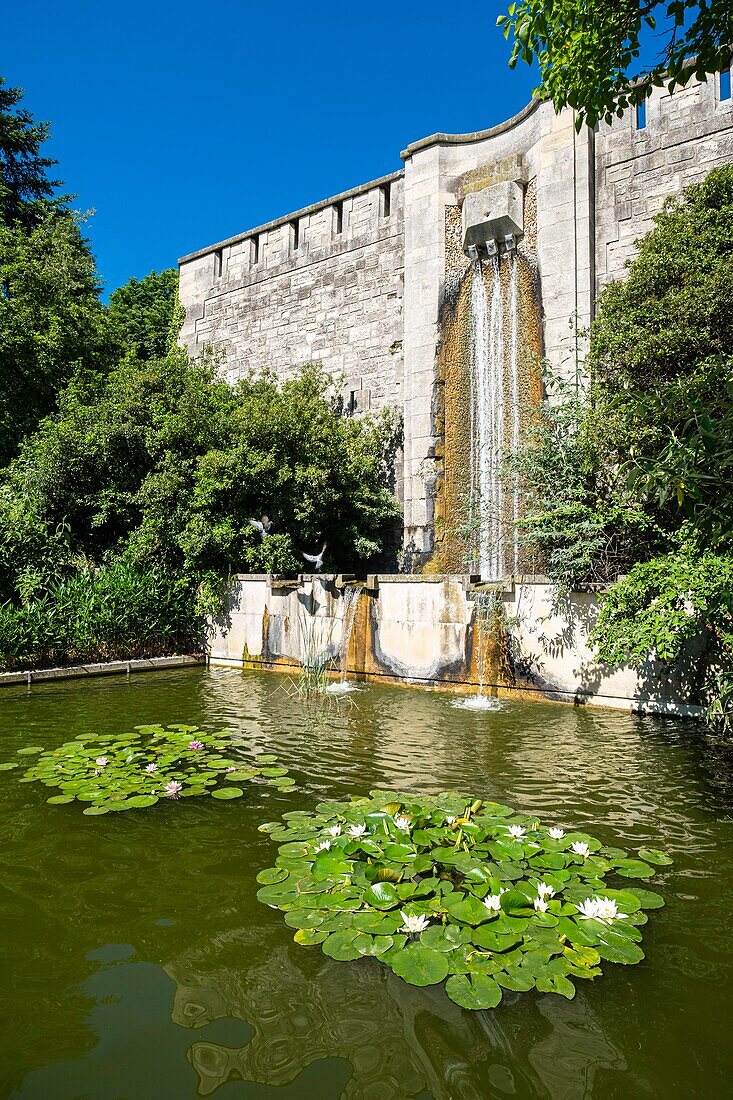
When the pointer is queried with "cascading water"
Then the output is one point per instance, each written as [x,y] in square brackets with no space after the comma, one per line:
[514,365]
[490,439]
[350,603]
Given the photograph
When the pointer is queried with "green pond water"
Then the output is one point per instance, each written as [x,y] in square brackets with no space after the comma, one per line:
[137,963]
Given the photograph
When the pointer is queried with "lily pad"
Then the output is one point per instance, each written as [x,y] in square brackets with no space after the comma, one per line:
[417,902]
[474,991]
[420,965]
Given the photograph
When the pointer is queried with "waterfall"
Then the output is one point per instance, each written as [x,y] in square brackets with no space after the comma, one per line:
[487,419]
[351,601]
[514,364]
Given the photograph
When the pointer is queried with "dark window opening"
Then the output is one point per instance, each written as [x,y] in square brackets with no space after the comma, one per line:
[386,190]
[351,407]
[218,263]
[255,250]
[338,217]
[725,82]
[641,115]
[294,235]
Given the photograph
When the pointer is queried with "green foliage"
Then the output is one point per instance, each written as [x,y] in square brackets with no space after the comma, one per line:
[639,469]
[588,51]
[51,320]
[116,611]
[114,772]
[145,316]
[669,607]
[25,188]
[164,462]
[442,888]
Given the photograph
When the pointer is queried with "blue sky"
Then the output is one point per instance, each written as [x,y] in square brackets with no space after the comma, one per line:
[181,124]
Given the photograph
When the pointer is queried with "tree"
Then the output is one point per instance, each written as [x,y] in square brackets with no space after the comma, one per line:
[588,51]
[25,188]
[636,476]
[51,320]
[144,315]
[164,464]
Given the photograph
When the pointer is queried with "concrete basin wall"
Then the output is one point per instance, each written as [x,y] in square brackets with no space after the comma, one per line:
[431,631]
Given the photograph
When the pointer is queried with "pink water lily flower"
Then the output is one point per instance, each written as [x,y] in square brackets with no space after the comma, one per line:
[151,768]
[173,789]
[195,744]
[101,761]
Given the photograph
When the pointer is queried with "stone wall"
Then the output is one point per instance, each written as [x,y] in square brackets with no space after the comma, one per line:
[687,134]
[353,284]
[430,631]
[333,295]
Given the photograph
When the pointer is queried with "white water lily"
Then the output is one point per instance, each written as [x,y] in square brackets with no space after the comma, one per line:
[540,905]
[413,925]
[403,823]
[556,834]
[493,902]
[335,830]
[450,821]
[358,830]
[544,890]
[517,830]
[608,910]
[580,848]
[588,909]
[323,846]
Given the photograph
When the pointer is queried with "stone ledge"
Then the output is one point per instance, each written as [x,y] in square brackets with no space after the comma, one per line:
[102,668]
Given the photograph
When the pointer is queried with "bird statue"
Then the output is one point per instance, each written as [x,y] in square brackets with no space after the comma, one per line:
[317,559]
[262,526]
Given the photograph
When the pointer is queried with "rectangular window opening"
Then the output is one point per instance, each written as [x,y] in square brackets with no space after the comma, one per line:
[351,408]
[725,81]
[255,250]
[338,217]
[294,235]
[218,263]
[386,199]
[641,115]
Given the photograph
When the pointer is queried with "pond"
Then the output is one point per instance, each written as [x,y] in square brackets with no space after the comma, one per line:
[138,964]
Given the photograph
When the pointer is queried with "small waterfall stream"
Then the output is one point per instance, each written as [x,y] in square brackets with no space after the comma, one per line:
[350,598]
[491,392]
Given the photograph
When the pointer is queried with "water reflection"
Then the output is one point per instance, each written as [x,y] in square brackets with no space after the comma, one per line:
[111,923]
[400,1041]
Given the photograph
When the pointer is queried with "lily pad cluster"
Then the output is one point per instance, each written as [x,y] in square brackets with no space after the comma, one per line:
[473,894]
[134,770]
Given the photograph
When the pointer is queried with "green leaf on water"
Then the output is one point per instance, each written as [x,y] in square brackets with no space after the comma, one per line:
[474,991]
[227,792]
[420,965]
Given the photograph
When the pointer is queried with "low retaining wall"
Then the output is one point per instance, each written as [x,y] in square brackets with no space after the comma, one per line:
[431,631]
[104,668]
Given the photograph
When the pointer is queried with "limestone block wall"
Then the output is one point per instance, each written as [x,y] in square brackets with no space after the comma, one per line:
[686,135]
[323,285]
[428,631]
[359,282]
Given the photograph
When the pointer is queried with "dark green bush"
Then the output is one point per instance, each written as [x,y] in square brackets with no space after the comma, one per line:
[117,611]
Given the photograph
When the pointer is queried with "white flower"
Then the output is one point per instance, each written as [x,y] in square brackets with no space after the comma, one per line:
[335,830]
[450,821]
[323,846]
[544,890]
[540,905]
[556,834]
[607,910]
[580,848]
[588,909]
[357,830]
[493,902]
[403,823]
[516,830]
[413,925]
